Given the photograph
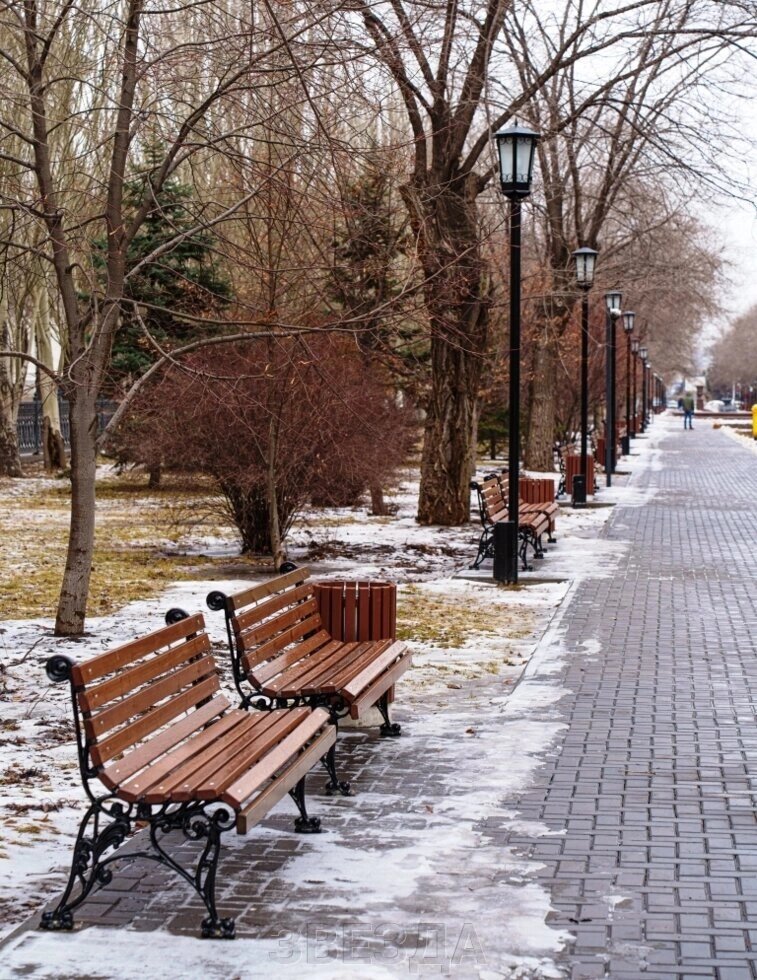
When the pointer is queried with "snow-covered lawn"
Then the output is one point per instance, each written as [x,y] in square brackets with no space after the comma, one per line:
[459,630]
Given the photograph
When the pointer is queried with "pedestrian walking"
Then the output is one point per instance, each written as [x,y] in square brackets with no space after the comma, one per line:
[688,405]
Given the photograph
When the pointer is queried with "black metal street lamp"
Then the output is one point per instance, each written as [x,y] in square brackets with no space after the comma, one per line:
[613,301]
[643,355]
[585,260]
[628,321]
[516,149]
[635,352]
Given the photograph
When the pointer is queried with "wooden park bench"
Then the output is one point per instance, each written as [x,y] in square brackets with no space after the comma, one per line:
[533,521]
[159,745]
[286,649]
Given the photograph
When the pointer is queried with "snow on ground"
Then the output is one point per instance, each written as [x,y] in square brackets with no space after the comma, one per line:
[41,800]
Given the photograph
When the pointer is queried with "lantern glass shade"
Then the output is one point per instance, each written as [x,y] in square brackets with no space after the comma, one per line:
[516,148]
[614,299]
[635,346]
[643,353]
[585,259]
[628,320]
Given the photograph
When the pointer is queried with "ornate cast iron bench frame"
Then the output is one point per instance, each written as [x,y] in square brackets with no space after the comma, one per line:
[159,744]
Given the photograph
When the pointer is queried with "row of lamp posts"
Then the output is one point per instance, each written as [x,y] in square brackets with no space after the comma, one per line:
[516,147]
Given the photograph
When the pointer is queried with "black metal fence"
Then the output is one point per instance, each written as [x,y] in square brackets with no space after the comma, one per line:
[29,424]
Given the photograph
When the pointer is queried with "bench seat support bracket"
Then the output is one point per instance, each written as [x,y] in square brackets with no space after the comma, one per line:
[389,729]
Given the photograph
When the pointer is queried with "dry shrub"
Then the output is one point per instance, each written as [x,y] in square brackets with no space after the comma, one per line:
[273,422]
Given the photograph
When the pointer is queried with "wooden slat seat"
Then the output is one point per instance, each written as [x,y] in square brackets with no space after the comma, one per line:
[281,651]
[166,746]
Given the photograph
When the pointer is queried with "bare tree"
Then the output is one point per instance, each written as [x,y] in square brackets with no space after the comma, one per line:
[83,92]
[443,60]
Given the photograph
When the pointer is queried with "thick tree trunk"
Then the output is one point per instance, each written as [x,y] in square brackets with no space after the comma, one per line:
[378,504]
[541,431]
[72,603]
[53,446]
[445,219]
[10,463]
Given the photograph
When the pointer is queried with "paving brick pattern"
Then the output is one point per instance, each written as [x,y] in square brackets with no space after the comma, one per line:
[654,782]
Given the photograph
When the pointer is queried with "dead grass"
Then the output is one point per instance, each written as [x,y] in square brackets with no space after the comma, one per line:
[135,527]
[448,621]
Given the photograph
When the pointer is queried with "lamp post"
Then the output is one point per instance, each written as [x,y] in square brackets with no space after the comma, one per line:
[613,300]
[628,321]
[585,259]
[635,352]
[643,355]
[516,147]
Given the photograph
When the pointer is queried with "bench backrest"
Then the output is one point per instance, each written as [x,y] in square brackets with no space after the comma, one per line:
[137,700]
[270,618]
[492,500]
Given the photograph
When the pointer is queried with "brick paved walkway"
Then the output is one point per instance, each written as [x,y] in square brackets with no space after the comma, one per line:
[639,826]
[656,873]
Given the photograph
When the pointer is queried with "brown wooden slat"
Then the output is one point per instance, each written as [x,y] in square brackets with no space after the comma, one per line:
[376,602]
[356,686]
[350,669]
[257,592]
[286,780]
[234,751]
[388,595]
[342,665]
[336,611]
[350,613]
[286,684]
[266,741]
[363,611]
[384,683]
[256,635]
[138,758]
[255,614]
[297,632]
[164,763]
[323,595]
[242,789]
[144,699]
[115,659]
[150,722]
[129,680]
[298,652]
[323,679]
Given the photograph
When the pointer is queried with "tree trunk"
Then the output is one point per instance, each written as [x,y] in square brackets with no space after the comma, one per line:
[445,221]
[473,460]
[154,474]
[53,446]
[11,385]
[378,504]
[72,604]
[10,463]
[541,431]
